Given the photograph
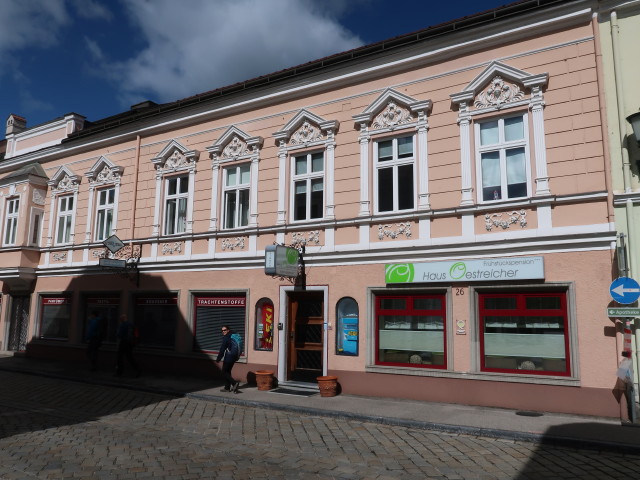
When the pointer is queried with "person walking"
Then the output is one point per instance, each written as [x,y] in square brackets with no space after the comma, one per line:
[228,351]
[125,337]
[94,338]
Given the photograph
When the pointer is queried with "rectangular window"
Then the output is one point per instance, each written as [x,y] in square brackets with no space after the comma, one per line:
[176,196]
[308,186]
[104,213]
[11,223]
[395,173]
[502,151]
[211,312]
[411,330]
[65,219]
[236,196]
[36,227]
[157,319]
[524,332]
[107,308]
[55,317]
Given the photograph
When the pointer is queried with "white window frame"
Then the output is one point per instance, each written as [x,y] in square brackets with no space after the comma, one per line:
[105,208]
[236,190]
[308,178]
[176,197]
[394,163]
[67,213]
[502,146]
[36,227]
[12,214]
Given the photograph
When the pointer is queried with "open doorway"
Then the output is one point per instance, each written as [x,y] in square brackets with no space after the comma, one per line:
[18,323]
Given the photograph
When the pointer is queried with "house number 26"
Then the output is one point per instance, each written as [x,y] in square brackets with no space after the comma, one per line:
[459,291]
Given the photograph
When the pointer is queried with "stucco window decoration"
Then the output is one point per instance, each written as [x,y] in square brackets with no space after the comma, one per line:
[500,87]
[171,248]
[232,244]
[298,239]
[64,198]
[175,187]
[104,193]
[388,231]
[511,218]
[397,160]
[310,172]
[239,154]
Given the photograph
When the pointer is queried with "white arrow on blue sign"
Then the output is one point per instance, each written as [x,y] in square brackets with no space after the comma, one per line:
[624,290]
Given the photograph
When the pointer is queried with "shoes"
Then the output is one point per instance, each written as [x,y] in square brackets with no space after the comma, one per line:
[227,390]
[234,387]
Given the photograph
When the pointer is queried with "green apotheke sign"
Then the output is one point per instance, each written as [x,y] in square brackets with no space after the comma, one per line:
[485,270]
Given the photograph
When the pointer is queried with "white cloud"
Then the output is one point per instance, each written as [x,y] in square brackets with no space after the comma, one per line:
[34,23]
[194,46]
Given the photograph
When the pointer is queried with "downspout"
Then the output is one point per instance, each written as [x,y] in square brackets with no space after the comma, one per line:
[626,165]
[133,209]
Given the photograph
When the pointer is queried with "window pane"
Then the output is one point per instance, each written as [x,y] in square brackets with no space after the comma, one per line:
[232,177]
[67,228]
[393,303]
[172,186]
[102,197]
[405,147]
[385,150]
[430,322]
[489,133]
[491,176]
[385,189]
[245,174]
[427,304]
[60,238]
[112,195]
[100,226]
[316,198]
[229,214]
[513,129]
[405,187]
[184,184]
[170,217]
[317,162]
[516,170]
[500,303]
[244,208]
[300,201]
[301,165]
[70,203]
[543,303]
[182,215]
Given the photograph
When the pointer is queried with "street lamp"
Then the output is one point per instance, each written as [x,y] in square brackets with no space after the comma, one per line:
[634,120]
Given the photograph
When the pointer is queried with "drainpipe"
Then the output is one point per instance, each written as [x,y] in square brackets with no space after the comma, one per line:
[626,166]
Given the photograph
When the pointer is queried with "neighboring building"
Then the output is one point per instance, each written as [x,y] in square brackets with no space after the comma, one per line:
[450,188]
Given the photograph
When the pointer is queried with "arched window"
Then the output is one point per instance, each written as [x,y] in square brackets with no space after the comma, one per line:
[264,324]
[347,327]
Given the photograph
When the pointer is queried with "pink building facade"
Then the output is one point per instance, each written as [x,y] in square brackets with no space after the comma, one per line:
[450,191]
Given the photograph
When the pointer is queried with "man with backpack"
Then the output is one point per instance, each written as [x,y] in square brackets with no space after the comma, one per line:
[230,349]
[126,338]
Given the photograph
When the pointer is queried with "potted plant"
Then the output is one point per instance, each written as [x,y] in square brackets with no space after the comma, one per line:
[328,385]
[264,379]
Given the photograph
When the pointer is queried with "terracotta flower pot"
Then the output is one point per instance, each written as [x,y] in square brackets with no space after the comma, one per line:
[264,379]
[328,386]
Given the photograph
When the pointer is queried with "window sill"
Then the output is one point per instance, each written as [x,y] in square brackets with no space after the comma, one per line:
[482,376]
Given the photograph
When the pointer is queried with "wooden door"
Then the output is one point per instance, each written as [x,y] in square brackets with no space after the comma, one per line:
[305,336]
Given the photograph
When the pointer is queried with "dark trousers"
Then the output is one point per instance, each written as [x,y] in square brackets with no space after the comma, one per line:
[125,350]
[226,371]
[92,351]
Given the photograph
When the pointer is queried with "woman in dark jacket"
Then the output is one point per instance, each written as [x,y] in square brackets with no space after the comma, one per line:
[228,350]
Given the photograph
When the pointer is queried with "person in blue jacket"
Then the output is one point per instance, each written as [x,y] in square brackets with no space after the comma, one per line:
[94,338]
[228,350]
[126,341]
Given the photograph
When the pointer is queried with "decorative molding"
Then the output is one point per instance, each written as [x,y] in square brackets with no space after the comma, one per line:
[403,228]
[498,93]
[306,134]
[494,220]
[236,148]
[60,257]
[175,157]
[38,197]
[233,244]
[125,253]
[170,249]
[392,116]
[298,238]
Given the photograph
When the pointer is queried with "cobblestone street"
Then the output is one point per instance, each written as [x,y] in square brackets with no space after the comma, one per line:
[55,429]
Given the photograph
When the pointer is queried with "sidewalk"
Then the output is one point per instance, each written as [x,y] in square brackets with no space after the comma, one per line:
[549,428]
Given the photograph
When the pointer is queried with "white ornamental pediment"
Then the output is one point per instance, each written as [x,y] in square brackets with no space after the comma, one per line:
[64,180]
[306,128]
[175,157]
[104,172]
[235,144]
[393,109]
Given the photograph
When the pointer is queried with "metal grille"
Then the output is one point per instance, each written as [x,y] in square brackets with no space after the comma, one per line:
[309,334]
[309,359]
[19,323]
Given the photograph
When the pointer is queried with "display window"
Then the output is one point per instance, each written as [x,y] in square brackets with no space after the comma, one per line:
[347,335]
[524,332]
[213,311]
[264,324]
[411,330]
[107,308]
[156,318]
[55,318]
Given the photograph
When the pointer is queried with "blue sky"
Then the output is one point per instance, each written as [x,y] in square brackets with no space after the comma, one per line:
[99,57]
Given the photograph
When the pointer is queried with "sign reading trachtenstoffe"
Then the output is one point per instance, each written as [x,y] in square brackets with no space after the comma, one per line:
[486,270]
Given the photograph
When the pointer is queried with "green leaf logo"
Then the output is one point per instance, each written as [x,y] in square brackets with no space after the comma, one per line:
[400,273]
[457,270]
[292,256]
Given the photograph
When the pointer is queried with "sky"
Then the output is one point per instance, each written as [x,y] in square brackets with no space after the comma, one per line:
[98,57]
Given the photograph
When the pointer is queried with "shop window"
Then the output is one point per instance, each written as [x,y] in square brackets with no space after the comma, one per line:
[236,196]
[347,327]
[55,318]
[157,318]
[308,186]
[11,221]
[524,333]
[264,324]
[395,174]
[213,311]
[502,155]
[411,330]
[107,309]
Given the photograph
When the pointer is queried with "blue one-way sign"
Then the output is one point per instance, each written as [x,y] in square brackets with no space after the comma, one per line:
[624,290]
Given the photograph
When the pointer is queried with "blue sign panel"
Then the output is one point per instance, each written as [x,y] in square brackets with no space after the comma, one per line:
[624,290]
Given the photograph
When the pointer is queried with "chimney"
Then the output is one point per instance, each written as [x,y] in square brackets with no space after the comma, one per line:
[15,124]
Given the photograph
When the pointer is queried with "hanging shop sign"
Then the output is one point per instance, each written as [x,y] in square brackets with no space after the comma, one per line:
[485,270]
[281,261]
